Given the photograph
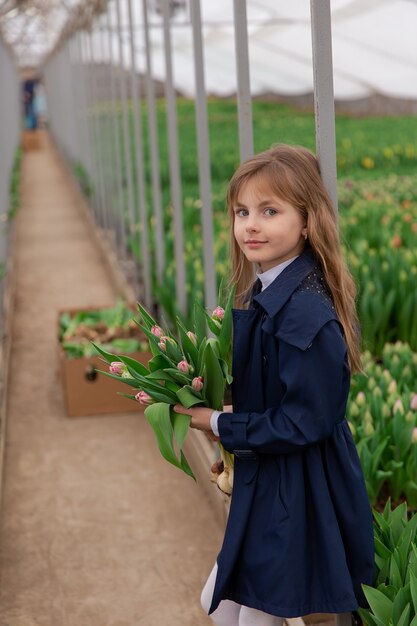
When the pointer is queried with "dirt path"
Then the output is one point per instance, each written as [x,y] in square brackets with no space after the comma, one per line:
[96,529]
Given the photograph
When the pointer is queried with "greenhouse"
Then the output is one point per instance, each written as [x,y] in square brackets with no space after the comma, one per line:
[185,382]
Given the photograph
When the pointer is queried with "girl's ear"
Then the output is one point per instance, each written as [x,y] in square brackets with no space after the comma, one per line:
[304,233]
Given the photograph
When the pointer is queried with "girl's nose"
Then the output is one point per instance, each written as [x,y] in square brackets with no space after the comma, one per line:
[251,225]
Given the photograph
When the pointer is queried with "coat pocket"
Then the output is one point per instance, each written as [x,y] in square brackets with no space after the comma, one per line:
[280,510]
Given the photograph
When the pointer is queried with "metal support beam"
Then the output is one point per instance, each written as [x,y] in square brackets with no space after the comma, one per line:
[323,94]
[140,170]
[244,101]
[203,159]
[154,150]
[174,163]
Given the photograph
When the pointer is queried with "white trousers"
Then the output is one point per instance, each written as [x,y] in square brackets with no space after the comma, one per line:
[230,613]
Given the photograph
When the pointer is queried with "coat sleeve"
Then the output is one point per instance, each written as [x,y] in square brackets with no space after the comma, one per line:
[315,383]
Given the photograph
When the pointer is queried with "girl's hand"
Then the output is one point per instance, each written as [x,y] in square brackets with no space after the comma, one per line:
[200,418]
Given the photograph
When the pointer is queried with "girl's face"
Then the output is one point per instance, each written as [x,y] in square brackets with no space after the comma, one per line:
[267,229]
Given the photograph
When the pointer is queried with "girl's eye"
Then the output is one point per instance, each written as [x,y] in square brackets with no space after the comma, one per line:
[241,212]
[270,211]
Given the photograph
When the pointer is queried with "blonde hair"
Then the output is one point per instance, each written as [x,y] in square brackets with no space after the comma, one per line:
[292,173]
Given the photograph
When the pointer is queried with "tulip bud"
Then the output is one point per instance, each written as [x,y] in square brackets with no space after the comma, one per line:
[409,417]
[414,435]
[184,367]
[197,383]
[385,410]
[360,399]
[162,346]
[354,409]
[218,313]
[371,383]
[157,331]
[392,387]
[369,429]
[192,337]
[143,398]
[413,402]
[398,407]
[377,393]
[367,418]
[117,368]
[387,376]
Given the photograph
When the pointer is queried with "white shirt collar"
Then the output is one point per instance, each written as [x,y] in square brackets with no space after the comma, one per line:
[270,275]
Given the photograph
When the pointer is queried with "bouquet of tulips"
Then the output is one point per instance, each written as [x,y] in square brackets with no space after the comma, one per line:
[191,369]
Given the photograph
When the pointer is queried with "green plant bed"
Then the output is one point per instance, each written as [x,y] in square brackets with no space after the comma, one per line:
[393,599]
[382,412]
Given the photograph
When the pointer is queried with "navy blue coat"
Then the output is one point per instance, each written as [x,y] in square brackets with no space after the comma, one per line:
[299,537]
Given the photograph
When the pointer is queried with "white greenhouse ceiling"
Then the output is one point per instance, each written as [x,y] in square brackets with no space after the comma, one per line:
[374,45]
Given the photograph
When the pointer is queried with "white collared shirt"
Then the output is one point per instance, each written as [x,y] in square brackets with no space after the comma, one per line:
[266,279]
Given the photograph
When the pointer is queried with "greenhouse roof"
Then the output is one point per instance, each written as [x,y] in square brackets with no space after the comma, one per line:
[374,43]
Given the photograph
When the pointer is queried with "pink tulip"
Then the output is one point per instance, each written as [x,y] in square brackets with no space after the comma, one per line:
[157,331]
[414,435]
[413,403]
[184,367]
[218,313]
[162,346]
[117,368]
[197,383]
[143,398]
[192,337]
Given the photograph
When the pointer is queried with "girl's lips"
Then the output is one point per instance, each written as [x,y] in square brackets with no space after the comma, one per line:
[255,244]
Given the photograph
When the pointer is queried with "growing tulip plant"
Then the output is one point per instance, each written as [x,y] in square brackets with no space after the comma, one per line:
[190,369]
[382,414]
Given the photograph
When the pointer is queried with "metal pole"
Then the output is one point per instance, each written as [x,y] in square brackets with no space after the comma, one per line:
[119,187]
[174,167]
[97,136]
[107,170]
[154,150]
[127,147]
[140,172]
[204,159]
[90,141]
[323,95]
[244,102]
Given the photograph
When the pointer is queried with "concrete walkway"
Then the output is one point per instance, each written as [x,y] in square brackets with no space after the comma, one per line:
[96,530]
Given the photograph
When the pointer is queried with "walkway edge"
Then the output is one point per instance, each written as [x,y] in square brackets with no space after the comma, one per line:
[199,451]
[5,346]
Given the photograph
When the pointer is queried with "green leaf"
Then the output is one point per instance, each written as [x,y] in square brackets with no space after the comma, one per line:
[167,426]
[225,336]
[413,589]
[188,398]
[395,574]
[146,317]
[133,382]
[381,605]
[401,602]
[405,617]
[134,366]
[159,362]
[180,425]
[158,416]
[107,356]
[179,377]
[370,619]
[215,380]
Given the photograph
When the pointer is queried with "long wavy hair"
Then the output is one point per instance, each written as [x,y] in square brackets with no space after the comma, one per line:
[292,174]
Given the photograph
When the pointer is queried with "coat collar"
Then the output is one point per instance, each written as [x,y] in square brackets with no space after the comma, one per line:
[273,298]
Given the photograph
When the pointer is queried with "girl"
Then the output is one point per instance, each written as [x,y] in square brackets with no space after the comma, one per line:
[299,537]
